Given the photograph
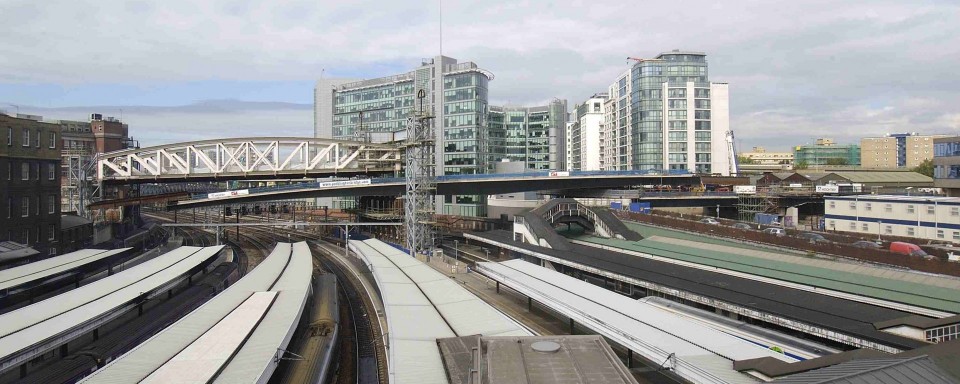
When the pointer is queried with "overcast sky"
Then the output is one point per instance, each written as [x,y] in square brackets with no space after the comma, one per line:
[797,69]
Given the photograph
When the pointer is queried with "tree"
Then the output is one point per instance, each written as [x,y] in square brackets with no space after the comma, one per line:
[925,168]
[800,165]
[744,160]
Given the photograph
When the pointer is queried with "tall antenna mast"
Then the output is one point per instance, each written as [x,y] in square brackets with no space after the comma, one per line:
[440,12]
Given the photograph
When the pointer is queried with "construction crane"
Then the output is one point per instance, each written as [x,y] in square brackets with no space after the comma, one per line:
[733,168]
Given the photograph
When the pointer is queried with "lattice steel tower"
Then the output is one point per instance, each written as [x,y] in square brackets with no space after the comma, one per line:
[418,204]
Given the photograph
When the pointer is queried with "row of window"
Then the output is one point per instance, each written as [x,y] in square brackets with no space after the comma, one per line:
[25,203]
[25,134]
[888,230]
[942,334]
[946,149]
[33,236]
[909,208]
[28,168]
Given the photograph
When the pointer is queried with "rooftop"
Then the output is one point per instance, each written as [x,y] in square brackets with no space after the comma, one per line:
[918,370]
[70,221]
[915,199]
[11,251]
[533,360]
[883,177]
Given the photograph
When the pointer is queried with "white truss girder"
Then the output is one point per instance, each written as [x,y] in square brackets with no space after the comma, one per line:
[247,155]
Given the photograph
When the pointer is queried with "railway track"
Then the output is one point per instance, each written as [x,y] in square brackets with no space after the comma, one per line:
[363,358]
[369,349]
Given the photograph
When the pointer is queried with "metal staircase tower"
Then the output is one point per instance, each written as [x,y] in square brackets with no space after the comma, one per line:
[418,204]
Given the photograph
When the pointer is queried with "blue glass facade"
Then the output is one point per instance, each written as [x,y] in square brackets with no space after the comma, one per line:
[671,113]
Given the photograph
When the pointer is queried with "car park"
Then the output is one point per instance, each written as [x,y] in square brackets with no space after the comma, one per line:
[907,249]
[866,244]
[813,237]
[775,231]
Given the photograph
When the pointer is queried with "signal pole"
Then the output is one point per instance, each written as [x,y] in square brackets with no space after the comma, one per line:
[418,203]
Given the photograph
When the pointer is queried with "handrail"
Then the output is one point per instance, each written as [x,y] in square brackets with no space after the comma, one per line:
[524,175]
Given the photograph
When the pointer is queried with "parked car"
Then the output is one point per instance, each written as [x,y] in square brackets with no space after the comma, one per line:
[813,237]
[708,220]
[907,249]
[742,226]
[866,244]
[775,231]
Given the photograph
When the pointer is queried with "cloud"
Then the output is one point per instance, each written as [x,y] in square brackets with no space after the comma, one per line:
[796,69]
[209,119]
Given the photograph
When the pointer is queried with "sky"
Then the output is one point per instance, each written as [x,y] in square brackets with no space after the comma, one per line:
[188,70]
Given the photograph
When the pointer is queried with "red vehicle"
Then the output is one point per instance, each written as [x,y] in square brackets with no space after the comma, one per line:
[906,249]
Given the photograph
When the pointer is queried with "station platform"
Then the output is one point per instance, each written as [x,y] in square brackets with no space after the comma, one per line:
[27,276]
[235,337]
[920,293]
[844,321]
[693,351]
[422,306]
[38,328]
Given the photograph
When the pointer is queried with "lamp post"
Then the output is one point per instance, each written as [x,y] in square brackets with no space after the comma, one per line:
[879,228]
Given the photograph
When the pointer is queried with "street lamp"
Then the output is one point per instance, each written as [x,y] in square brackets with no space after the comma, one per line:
[718,211]
[879,228]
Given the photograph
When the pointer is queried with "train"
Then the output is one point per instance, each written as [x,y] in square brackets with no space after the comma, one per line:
[317,344]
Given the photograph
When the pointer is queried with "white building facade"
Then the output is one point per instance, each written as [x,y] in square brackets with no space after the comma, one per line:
[616,125]
[930,218]
[586,130]
[679,119]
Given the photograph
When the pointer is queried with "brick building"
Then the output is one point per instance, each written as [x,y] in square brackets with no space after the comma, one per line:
[30,173]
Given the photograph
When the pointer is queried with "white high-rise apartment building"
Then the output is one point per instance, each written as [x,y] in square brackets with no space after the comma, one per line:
[588,120]
[662,114]
[615,135]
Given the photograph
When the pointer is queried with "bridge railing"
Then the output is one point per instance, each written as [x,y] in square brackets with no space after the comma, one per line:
[577,209]
[486,176]
[245,156]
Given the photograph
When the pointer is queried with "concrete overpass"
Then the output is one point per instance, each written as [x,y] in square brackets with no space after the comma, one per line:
[487,184]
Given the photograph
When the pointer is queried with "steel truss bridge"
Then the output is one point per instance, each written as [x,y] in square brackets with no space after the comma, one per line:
[245,158]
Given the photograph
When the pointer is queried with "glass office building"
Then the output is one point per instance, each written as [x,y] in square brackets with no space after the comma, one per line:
[532,135]
[946,165]
[470,135]
[376,110]
[678,119]
[826,152]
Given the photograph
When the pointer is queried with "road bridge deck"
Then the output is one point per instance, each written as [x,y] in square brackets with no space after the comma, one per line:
[486,184]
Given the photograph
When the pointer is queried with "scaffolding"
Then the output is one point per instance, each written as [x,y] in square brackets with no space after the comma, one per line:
[750,205]
[418,203]
[77,186]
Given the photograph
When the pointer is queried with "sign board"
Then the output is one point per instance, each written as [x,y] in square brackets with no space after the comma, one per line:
[796,185]
[217,195]
[559,174]
[745,189]
[343,183]
[828,189]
